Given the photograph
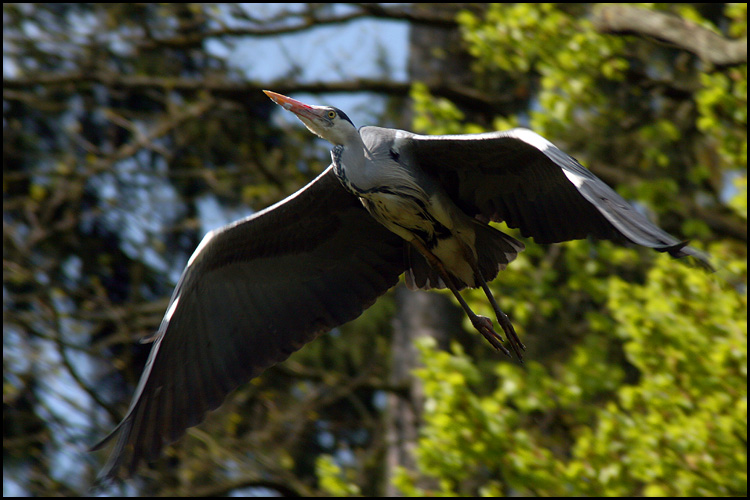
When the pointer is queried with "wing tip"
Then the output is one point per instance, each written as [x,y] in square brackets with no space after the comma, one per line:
[109,474]
[111,471]
[682,249]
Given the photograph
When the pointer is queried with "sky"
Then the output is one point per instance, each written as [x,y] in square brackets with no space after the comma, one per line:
[325,54]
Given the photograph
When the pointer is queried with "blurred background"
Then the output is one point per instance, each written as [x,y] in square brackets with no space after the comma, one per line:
[130,130]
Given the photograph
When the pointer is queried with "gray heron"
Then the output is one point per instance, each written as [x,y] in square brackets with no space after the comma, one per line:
[391,202]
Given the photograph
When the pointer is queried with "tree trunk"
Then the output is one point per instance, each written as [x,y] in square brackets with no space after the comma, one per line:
[420,313]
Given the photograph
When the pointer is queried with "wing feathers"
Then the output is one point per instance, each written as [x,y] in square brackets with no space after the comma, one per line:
[253,293]
[521,178]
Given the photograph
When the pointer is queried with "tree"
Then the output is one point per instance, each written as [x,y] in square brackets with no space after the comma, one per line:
[126,127]
[125,124]
[645,389]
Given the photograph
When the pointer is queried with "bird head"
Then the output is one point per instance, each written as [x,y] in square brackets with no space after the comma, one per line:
[326,122]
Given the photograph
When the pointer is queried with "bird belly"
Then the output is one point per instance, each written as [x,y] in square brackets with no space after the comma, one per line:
[404,215]
[411,217]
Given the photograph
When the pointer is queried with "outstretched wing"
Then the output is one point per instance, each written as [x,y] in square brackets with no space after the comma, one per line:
[519,177]
[254,292]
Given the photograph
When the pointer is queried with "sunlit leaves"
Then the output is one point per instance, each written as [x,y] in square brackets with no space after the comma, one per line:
[636,380]
[676,430]
[438,115]
[335,480]
[569,57]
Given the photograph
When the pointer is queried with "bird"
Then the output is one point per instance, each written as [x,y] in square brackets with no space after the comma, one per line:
[390,203]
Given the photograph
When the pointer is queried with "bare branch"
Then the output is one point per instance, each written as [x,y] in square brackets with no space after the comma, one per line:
[279,485]
[704,43]
[310,20]
[464,96]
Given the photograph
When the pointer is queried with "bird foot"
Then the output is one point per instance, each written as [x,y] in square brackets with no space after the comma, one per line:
[510,332]
[484,326]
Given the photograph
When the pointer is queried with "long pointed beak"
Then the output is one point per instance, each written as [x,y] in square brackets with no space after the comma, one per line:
[298,108]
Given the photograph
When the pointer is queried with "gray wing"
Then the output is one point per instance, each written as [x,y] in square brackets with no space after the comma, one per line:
[254,292]
[519,177]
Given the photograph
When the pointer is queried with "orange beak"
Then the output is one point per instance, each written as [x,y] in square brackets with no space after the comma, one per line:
[298,108]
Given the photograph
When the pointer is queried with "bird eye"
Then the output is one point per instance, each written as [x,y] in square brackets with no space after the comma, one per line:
[331,114]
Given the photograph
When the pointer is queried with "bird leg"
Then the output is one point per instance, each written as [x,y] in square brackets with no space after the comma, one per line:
[502,318]
[481,323]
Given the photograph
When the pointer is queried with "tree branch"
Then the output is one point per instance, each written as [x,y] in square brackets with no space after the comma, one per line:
[309,20]
[460,95]
[704,43]
[279,485]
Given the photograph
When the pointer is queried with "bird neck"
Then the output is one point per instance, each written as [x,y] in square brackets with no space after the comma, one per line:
[349,164]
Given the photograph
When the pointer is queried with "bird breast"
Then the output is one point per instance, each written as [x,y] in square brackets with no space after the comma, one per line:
[397,196]
[401,212]
[411,216]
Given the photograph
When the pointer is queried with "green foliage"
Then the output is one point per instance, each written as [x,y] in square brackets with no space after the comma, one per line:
[738,203]
[591,83]
[439,116]
[685,424]
[574,428]
[334,480]
[722,107]
[569,57]
[636,376]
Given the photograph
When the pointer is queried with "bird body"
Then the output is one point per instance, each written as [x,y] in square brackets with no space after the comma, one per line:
[391,202]
[407,201]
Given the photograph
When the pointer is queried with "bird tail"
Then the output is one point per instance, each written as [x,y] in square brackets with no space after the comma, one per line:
[420,275]
[495,250]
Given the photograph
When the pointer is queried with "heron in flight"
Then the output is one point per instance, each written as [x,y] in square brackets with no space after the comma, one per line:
[391,203]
